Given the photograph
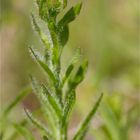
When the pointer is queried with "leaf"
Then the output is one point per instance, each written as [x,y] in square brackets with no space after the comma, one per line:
[67,74]
[55,41]
[64,35]
[35,85]
[69,70]
[43,37]
[68,105]
[38,124]
[79,76]
[45,103]
[43,9]
[111,121]
[54,10]
[82,133]
[24,132]
[18,98]
[70,15]
[71,67]
[4,122]
[51,115]
[44,66]
[84,126]
[14,135]
[53,101]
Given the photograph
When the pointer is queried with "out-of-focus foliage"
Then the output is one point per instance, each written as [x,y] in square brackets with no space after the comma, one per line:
[119,117]
[8,124]
[107,32]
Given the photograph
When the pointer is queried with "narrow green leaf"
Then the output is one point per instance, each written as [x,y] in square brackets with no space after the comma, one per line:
[44,66]
[43,6]
[48,109]
[67,109]
[14,135]
[43,37]
[67,74]
[84,126]
[71,67]
[52,97]
[68,105]
[24,132]
[70,15]
[82,134]
[111,121]
[43,99]
[79,76]
[35,85]
[51,115]
[69,70]
[56,43]
[64,35]
[18,98]
[53,101]
[38,124]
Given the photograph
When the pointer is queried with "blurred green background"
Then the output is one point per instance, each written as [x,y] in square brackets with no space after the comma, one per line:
[107,31]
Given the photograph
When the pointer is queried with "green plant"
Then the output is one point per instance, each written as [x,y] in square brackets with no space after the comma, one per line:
[118,122]
[58,96]
[8,127]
